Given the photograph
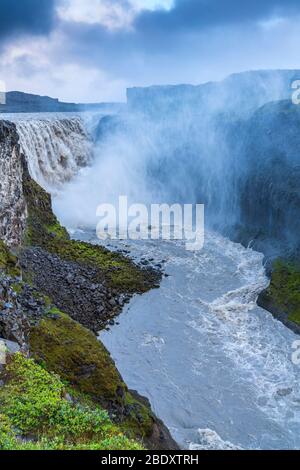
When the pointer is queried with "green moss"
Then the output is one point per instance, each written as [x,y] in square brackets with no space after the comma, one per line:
[80,359]
[33,405]
[295,316]
[17,287]
[44,230]
[120,272]
[284,289]
[139,422]
[8,262]
[76,355]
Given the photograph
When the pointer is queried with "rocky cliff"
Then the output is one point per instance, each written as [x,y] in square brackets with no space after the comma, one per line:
[233,146]
[269,186]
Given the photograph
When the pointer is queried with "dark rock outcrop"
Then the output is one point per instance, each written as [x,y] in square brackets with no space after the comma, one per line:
[268,302]
[269,187]
[282,297]
[21,307]
[12,201]
[81,291]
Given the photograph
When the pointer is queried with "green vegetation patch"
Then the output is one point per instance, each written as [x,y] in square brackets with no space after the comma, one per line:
[285,289]
[35,414]
[80,359]
[75,354]
[44,230]
[8,262]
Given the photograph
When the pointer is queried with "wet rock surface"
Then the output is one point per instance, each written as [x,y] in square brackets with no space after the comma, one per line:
[267,302]
[12,201]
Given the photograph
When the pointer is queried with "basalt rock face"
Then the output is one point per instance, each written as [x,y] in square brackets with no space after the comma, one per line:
[12,201]
[233,146]
[269,186]
[269,200]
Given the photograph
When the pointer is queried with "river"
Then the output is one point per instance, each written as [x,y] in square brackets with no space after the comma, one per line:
[216,368]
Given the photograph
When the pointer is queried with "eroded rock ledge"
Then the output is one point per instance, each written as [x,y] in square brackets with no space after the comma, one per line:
[282,298]
[12,201]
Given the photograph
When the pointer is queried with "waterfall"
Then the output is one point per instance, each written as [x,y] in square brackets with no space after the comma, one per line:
[55,149]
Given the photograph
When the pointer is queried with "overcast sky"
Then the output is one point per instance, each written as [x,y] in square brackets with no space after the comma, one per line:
[92,50]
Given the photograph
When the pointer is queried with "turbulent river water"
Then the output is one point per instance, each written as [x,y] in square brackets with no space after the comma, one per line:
[215,367]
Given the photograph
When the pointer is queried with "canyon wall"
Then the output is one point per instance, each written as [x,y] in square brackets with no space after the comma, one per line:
[239,94]
[12,202]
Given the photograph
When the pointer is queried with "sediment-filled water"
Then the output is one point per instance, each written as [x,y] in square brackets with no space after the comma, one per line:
[216,368]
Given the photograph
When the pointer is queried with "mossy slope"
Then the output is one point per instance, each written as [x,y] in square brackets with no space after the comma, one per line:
[75,354]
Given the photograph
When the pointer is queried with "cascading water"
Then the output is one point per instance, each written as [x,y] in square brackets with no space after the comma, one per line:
[245,171]
[56,149]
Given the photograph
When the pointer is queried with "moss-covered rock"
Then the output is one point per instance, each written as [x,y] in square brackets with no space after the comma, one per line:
[282,298]
[8,262]
[74,353]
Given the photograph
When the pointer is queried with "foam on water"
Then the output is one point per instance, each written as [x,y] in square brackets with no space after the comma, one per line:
[210,440]
[205,355]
